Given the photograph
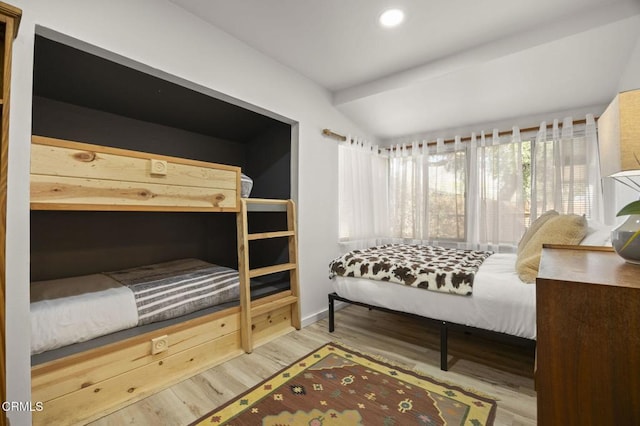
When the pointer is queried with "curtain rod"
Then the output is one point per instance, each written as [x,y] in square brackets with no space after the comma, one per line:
[343,138]
[333,134]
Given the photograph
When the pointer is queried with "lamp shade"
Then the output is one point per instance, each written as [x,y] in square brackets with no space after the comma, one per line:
[619,136]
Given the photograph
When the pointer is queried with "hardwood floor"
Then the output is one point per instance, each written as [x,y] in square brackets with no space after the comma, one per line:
[500,370]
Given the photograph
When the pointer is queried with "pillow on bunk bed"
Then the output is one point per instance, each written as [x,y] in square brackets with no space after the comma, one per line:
[558,229]
[246,184]
[71,310]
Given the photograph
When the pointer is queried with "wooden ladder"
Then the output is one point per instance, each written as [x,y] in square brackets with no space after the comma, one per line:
[250,309]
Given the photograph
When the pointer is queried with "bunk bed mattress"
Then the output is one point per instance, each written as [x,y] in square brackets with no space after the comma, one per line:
[175,288]
[76,309]
[500,302]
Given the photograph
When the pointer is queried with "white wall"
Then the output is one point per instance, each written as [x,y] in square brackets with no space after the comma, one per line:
[630,78]
[165,37]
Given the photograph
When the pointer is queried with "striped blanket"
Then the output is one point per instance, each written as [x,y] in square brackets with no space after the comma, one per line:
[170,289]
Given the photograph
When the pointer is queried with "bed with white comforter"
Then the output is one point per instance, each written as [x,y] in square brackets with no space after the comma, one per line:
[500,301]
[483,290]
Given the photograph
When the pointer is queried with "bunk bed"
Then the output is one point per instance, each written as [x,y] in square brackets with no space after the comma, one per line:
[81,378]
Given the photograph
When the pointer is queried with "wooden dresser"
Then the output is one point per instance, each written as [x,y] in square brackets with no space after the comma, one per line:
[588,346]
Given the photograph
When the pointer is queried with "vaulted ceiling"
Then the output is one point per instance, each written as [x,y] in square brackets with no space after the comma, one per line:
[452,63]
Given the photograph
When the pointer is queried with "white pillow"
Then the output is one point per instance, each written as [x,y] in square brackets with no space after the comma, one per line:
[598,234]
[246,184]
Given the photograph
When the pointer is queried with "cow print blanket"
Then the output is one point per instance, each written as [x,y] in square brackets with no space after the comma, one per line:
[428,267]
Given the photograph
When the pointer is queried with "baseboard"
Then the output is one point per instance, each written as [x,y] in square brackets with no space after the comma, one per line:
[310,319]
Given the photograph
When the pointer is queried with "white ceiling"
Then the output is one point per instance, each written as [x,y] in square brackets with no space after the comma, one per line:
[453,63]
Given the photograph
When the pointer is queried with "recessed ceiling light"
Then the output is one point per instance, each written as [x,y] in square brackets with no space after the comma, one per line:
[391,18]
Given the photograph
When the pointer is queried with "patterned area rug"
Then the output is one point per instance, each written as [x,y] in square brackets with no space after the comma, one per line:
[337,386]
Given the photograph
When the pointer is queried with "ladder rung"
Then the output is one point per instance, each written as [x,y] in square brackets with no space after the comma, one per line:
[265,201]
[265,205]
[263,308]
[258,272]
[265,235]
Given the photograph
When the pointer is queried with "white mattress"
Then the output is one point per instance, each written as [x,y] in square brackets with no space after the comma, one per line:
[500,301]
[72,310]
[79,314]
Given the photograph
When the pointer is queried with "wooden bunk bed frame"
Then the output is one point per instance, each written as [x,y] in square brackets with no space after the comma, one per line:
[69,175]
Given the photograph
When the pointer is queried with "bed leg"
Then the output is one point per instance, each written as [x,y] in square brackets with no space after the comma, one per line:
[443,346]
[331,314]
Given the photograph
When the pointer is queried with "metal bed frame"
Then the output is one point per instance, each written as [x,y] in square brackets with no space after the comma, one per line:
[444,326]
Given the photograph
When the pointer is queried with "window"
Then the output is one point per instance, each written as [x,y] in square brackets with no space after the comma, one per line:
[480,194]
[564,176]
[499,201]
[426,194]
[447,182]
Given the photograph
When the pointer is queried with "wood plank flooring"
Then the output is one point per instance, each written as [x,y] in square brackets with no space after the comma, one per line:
[500,370]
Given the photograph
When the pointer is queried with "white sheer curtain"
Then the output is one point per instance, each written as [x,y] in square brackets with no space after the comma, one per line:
[466,195]
[363,194]
[565,170]
[480,194]
[497,193]
[426,192]
[408,195]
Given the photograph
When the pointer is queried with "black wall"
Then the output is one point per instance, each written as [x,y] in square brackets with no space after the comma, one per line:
[81,97]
